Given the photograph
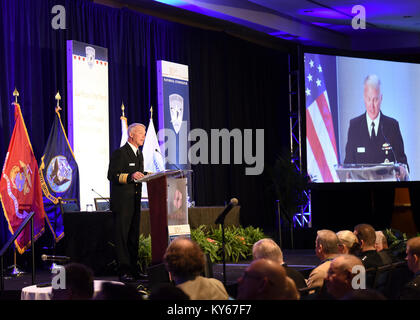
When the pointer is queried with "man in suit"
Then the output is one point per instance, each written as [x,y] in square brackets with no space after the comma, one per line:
[125,167]
[373,137]
[326,249]
[411,290]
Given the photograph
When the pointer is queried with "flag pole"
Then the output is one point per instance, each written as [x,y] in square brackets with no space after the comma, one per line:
[151,112]
[16,272]
[122,109]
[53,265]
[15,94]
[58,98]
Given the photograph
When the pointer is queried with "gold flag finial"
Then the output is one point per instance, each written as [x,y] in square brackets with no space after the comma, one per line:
[122,108]
[151,112]
[58,98]
[16,94]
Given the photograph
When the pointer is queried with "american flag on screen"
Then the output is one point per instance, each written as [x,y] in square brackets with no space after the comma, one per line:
[320,137]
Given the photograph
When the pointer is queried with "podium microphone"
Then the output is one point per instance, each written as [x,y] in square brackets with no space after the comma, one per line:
[156,150]
[220,219]
[390,146]
[45,257]
[107,200]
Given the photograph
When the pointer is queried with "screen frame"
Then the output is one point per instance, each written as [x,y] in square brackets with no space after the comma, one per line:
[385,56]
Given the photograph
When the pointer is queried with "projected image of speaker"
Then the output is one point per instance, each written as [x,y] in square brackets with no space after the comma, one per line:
[359,119]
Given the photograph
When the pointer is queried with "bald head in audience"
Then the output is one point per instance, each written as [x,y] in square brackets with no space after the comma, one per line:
[265,279]
[339,281]
[267,249]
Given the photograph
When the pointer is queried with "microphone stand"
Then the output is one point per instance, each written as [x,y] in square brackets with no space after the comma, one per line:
[221,221]
[223,251]
[109,203]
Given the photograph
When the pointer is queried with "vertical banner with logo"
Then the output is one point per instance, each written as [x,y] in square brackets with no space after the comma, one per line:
[88,114]
[174,113]
[174,126]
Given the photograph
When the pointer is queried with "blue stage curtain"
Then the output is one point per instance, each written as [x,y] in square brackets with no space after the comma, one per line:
[233,84]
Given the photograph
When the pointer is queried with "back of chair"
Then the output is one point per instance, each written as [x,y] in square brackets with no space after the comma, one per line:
[69,205]
[102,204]
[399,276]
[389,279]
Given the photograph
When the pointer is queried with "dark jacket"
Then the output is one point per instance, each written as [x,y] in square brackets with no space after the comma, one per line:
[361,149]
[124,192]
[296,276]
[411,290]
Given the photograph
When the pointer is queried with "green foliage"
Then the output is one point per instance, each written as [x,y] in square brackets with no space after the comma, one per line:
[145,252]
[238,243]
[396,242]
[208,245]
[287,184]
[236,246]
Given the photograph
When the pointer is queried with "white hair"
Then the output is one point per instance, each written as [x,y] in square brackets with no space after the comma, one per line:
[373,81]
[267,249]
[132,126]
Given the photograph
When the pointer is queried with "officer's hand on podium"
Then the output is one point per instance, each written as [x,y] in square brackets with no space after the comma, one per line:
[401,174]
[137,175]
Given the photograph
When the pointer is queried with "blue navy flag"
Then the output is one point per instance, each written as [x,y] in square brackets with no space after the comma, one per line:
[320,138]
[59,176]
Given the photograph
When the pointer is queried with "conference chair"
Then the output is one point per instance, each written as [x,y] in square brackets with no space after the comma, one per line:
[102,204]
[68,205]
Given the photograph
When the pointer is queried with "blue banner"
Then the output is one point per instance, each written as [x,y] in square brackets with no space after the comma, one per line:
[59,176]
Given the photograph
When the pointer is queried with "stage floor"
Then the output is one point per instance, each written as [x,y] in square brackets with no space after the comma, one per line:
[301,260]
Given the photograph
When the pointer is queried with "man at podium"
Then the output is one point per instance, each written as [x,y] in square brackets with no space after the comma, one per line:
[374,138]
[126,166]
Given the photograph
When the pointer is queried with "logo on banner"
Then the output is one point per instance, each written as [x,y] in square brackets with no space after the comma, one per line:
[90,56]
[59,174]
[20,179]
[176,107]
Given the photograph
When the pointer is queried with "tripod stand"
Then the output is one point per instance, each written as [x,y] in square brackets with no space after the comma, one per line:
[15,272]
[221,220]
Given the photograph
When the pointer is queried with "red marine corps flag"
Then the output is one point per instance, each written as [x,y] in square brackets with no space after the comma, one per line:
[20,187]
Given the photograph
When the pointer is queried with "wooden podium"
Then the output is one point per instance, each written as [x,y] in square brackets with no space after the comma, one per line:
[167,191]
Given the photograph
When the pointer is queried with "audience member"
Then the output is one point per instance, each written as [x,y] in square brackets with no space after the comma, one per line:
[266,279]
[380,243]
[326,249]
[118,291]
[78,283]
[185,261]
[338,282]
[366,235]
[348,242]
[167,291]
[411,290]
[268,249]
[363,295]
